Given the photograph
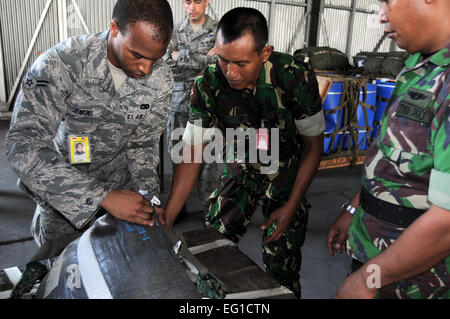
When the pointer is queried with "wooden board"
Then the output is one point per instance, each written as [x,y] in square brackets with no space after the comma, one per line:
[340,162]
[242,277]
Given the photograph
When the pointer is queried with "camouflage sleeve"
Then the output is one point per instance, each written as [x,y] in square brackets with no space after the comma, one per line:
[143,146]
[40,107]
[307,106]
[200,58]
[196,54]
[439,187]
[173,45]
[201,102]
[304,90]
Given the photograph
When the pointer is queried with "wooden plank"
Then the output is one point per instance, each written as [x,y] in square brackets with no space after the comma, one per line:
[324,86]
[340,162]
[241,275]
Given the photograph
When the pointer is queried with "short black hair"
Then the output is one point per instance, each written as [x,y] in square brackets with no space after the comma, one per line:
[155,12]
[238,21]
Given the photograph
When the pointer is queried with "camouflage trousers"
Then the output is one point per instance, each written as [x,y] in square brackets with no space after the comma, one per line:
[232,206]
[48,225]
[208,176]
[368,236]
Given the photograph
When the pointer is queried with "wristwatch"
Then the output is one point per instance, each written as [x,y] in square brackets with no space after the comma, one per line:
[349,208]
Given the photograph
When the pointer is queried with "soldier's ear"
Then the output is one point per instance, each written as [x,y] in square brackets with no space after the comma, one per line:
[114,28]
[267,52]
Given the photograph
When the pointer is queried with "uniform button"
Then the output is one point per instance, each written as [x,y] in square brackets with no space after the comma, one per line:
[89,201]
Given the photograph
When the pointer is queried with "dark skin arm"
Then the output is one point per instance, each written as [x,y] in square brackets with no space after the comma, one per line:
[338,230]
[425,243]
[282,217]
[184,178]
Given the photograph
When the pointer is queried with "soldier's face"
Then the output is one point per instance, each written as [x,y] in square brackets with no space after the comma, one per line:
[402,22]
[195,9]
[240,62]
[136,50]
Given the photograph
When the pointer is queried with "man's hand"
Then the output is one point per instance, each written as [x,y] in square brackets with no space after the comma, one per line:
[355,287]
[338,232]
[130,206]
[282,217]
[161,216]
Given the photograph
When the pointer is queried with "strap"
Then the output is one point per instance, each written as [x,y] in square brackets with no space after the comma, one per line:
[93,280]
[183,251]
[399,215]
[380,42]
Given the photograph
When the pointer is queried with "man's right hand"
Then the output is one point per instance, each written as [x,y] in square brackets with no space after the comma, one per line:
[338,232]
[129,206]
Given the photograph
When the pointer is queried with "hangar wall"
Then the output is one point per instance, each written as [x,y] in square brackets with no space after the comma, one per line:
[28,27]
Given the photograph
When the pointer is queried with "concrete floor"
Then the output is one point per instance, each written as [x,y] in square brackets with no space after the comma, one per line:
[320,274]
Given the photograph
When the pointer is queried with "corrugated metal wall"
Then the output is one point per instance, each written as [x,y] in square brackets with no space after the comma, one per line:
[287,20]
[338,31]
[18,20]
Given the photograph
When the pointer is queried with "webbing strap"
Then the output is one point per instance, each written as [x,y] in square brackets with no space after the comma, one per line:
[380,42]
[348,115]
[184,251]
[93,281]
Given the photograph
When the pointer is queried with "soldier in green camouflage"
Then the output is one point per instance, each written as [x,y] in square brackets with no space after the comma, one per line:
[189,52]
[113,88]
[399,236]
[252,88]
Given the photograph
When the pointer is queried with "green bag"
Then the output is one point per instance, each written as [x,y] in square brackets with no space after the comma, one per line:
[374,64]
[387,64]
[323,58]
[394,63]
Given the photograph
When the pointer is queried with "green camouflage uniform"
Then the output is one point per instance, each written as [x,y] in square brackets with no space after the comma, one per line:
[193,46]
[69,90]
[286,94]
[409,165]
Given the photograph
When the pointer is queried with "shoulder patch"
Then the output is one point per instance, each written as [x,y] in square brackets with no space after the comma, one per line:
[30,82]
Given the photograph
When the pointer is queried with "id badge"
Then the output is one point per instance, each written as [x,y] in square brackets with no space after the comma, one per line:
[79,150]
[262,139]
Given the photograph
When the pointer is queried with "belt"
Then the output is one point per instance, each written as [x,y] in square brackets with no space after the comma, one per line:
[400,215]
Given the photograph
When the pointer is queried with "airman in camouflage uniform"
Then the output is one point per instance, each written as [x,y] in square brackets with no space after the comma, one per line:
[408,169]
[70,91]
[285,99]
[192,48]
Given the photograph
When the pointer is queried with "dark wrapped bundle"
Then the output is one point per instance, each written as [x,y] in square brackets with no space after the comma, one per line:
[116,259]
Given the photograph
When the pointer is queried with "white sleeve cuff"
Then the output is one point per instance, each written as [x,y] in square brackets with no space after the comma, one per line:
[311,126]
[196,135]
[439,189]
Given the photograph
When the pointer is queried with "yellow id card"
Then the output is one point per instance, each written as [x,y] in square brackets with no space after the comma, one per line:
[79,150]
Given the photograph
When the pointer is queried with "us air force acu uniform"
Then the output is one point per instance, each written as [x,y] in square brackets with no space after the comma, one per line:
[407,170]
[69,91]
[193,46]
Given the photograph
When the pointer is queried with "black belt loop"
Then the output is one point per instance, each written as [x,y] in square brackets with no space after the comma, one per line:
[399,215]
